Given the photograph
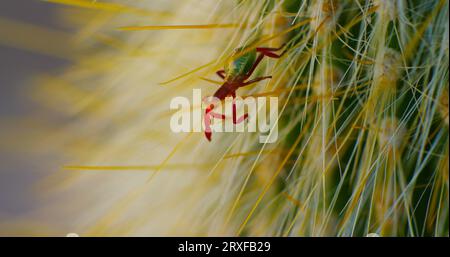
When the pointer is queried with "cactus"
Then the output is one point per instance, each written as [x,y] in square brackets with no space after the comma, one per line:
[363,120]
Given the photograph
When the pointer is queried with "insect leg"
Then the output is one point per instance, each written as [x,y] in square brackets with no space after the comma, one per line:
[272,54]
[269,51]
[221,73]
[209,115]
[252,69]
[264,51]
[242,118]
[217,115]
[207,121]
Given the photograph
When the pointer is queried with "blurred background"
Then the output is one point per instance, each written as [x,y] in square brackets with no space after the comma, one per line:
[19,63]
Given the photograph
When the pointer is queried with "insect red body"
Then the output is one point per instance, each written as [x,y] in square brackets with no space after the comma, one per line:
[235,75]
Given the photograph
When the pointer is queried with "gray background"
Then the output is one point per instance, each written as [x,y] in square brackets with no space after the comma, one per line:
[18,173]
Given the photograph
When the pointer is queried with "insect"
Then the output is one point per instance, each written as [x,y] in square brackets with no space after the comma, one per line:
[235,75]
